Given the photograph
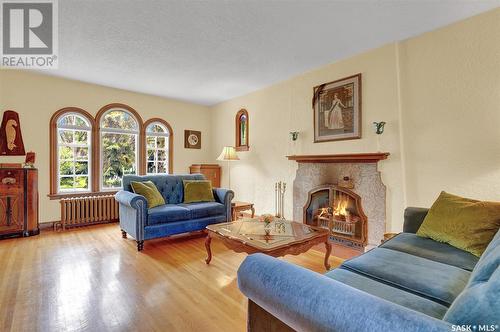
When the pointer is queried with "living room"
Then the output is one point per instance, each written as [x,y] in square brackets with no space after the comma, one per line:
[323,153]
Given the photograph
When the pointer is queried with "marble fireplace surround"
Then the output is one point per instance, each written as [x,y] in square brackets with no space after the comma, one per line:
[317,170]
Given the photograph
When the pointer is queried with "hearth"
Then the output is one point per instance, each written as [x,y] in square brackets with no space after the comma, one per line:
[339,210]
[316,171]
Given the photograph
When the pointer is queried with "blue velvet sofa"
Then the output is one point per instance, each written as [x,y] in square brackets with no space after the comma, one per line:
[175,217]
[407,284]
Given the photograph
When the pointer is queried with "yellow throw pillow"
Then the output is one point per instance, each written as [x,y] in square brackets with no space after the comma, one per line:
[463,223]
[198,191]
[149,191]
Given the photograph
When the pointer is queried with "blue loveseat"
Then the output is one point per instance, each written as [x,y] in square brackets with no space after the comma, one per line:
[407,284]
[175,217]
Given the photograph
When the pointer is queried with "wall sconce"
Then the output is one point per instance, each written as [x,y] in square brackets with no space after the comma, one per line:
[379,130]
[379,127]
[294,135]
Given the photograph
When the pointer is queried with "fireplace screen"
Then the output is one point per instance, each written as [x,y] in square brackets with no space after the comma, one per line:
[339,210]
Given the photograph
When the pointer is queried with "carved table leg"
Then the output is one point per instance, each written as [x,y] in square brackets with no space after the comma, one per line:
[124,234]
[140,245]
[253,211]
[328,247]
[208,240]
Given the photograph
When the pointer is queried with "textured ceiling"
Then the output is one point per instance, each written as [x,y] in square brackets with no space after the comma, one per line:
[210,51]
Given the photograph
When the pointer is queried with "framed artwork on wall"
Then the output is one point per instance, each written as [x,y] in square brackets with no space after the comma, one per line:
[192,139]
[242,131]
[11,140]
[337,110]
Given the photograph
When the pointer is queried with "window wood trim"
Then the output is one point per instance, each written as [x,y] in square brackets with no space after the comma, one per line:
[238,146]
[141,154]
[170,143]
[81,194]
[95,153]
[54,149]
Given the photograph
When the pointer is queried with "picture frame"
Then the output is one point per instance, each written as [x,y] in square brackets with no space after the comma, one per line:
[11,139]
[337,110]
[192,139]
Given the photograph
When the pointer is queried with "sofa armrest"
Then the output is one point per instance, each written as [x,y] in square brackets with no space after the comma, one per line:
[224,196]
[131,199]
[308,301]
[413,218]
[133,213]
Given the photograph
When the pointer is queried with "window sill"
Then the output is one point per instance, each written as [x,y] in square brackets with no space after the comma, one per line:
[242,148]
[84,194]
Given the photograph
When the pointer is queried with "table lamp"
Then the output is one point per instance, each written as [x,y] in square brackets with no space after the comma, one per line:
[228,154]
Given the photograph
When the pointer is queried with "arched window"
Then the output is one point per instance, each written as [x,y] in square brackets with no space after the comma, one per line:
[71,151]
[242,131]
[119,132]
[158,147]
[88,155]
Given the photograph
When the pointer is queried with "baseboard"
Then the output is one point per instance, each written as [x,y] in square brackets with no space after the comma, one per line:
[46,225]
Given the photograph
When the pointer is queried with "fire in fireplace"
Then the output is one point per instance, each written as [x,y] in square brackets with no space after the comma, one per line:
[339,210]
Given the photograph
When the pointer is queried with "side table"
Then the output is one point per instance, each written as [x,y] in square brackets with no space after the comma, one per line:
[238,207]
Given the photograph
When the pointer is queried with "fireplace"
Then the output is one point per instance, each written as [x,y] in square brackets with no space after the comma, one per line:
[339,210]
[365,186]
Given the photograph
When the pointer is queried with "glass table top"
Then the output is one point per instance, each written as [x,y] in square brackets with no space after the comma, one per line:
[257,234]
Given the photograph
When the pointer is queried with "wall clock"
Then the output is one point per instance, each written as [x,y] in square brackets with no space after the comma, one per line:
[192,139]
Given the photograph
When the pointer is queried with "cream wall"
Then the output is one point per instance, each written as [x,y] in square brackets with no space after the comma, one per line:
[36,97]
[439,94]
[451,110]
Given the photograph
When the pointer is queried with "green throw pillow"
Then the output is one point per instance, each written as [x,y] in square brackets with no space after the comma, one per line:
[149,191]
[463,223]
[198,191]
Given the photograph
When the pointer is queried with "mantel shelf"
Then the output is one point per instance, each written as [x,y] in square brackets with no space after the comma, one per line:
[341,158]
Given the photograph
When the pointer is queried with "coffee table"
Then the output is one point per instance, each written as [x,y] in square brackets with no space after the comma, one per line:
[279,238]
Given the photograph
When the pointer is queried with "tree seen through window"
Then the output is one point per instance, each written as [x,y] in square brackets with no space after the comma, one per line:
[73,153]
[119,135]
[157,148]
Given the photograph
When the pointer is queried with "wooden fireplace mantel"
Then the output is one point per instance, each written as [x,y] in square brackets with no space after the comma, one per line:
[341,158]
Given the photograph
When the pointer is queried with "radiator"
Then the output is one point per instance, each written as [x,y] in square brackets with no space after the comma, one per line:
[84,211]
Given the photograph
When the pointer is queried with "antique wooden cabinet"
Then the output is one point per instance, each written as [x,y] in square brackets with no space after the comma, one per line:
[211,171]
[18,202]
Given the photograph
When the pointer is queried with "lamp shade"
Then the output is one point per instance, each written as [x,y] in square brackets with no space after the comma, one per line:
[228,154]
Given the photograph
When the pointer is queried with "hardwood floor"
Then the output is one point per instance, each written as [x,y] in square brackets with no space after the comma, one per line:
[91,279]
